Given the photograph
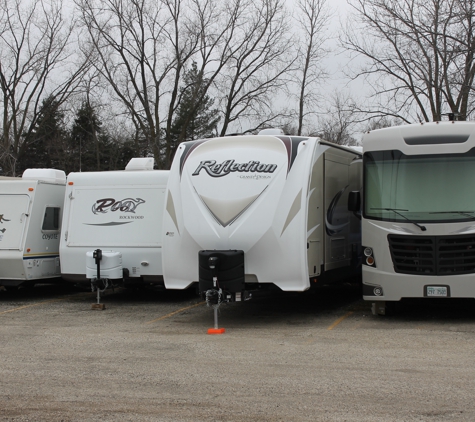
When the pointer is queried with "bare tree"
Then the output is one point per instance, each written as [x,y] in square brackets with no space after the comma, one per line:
[36,62]
[215,26]
[340,121]
[312,20]
[419,56]
[141,48]
[258,65]
[382,122]
[245,54]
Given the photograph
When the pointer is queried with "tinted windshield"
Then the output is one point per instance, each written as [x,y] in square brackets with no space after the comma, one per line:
[422,188]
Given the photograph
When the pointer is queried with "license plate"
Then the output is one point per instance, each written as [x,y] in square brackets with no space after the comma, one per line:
[437,291]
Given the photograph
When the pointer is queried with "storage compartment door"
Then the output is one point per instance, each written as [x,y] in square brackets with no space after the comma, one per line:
[13,218]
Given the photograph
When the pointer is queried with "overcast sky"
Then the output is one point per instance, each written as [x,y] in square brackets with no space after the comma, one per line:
[336,63]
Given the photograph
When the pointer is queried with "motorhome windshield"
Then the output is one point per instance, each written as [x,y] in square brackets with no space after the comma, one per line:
[419,188]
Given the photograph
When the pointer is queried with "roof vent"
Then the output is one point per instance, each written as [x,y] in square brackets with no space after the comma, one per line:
[140,164]
[46,175]
[271,131]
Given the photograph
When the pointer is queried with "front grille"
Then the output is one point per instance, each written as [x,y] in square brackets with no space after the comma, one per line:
[433,255]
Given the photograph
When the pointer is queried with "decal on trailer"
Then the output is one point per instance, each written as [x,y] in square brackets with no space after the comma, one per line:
[251,166]
[229,166]
[2,219]
[290,143]
[127,205]
[110,204]
[189,147]
[331,228]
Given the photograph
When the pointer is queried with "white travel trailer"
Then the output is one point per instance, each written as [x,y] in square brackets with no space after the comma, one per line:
[245,211]
[116,212]
[30,223]
[419,213]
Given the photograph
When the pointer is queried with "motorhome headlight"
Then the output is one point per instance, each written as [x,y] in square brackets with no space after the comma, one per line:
[369,257]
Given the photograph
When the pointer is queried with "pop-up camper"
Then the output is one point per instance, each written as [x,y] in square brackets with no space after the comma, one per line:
[115,211]
[244,211]
[30,223]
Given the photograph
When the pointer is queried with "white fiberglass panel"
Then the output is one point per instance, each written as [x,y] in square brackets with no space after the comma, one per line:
[13,216]
[116,216]
[225,181]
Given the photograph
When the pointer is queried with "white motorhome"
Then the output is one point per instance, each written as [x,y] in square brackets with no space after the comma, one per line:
[30,223]
[256,210]
[115,211]
[419,213]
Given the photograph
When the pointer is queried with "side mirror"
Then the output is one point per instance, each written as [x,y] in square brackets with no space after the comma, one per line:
[354,201]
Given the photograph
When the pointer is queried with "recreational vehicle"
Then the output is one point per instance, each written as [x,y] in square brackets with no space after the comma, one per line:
[30,223]
[119,213]
[418,219]
[248,211]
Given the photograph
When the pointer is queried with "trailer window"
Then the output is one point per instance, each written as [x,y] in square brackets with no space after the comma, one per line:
[51,219]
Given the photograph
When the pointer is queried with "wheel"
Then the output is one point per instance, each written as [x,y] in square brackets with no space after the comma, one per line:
[384,308]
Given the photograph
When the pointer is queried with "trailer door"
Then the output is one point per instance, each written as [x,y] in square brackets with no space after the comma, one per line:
[337,252]
[13,217]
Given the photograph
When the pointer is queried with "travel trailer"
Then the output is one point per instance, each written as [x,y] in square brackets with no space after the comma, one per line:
[30,223]
[418,218]
[119,213]
[248,211]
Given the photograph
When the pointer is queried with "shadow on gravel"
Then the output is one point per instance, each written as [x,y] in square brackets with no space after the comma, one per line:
[267,305]
[40,291]
[273,306]
[433,310]
[150,294]
[45,291]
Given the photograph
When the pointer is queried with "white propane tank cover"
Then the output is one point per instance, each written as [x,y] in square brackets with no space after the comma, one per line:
[143,163]
[111,265]
[47,175]
[272,131]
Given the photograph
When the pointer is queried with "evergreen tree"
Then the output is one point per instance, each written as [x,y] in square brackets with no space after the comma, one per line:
[195,118]
[115,153]
[123,154]
[86,139]
[44,146]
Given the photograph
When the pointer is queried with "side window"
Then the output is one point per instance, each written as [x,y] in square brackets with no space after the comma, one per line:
[51,219]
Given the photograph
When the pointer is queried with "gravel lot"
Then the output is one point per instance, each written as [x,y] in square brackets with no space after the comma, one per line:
[317,356]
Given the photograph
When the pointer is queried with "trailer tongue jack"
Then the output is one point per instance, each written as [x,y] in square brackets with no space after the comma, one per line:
[221,279]
[213,299]
[110,275]
[98,284]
